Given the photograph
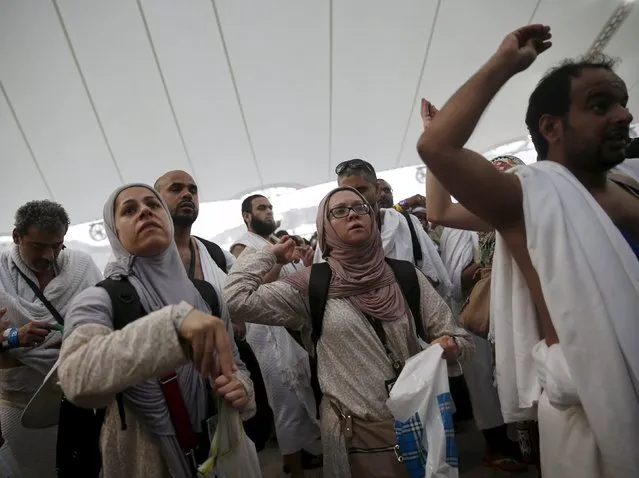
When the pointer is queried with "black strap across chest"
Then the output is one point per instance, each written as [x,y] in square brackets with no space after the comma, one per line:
[40,295]
[406,276]
[192,260]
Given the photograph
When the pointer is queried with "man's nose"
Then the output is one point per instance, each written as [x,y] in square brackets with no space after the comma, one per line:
[48,254]
[624,115]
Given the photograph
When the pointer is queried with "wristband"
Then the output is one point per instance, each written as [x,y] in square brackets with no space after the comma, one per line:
[13,338]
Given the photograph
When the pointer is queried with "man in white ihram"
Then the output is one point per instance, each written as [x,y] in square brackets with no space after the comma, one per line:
[284,363]
[37,266]
[181,194]
[565,276]
[396,235]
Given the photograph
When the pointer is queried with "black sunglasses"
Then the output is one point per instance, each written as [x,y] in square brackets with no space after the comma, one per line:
[354,164]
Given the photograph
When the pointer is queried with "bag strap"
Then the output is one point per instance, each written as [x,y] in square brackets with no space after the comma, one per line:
[207,291]
[178,411]
[406,276]
[318,285]
[127,308]
[56,315]
[626,182]
[216,253]
[417,248]
[125,301]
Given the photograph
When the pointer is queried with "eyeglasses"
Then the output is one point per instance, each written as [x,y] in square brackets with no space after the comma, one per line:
[342,211]
[354,164]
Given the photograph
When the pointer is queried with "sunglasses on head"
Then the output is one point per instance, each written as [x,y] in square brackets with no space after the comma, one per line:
[353,164]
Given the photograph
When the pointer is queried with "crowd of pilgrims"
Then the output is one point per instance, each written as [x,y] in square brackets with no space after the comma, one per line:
[176,324]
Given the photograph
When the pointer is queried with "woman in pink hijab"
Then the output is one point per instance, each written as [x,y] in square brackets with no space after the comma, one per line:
[368,330]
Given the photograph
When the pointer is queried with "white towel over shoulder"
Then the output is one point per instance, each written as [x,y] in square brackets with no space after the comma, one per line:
[590,282]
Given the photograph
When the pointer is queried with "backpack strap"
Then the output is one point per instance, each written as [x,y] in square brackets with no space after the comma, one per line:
[417,248]
[127,308]
[406,276]
[207,291]
[216,253]
[124,301]
[318,295]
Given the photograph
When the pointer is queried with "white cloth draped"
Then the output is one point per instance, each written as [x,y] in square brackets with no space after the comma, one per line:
[287,376]
[590,282]
[75,271]
[217,278]
[458,249]
[398,244]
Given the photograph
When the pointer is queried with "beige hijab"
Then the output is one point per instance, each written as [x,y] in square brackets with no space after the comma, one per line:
[359,273]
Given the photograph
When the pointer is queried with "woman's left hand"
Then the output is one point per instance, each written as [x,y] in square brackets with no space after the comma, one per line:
[232,390]
[451,351]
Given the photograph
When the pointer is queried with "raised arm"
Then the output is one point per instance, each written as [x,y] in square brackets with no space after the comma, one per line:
[439,206]
[493,196]
[250,300]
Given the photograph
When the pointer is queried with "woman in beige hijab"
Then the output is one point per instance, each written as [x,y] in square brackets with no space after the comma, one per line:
[352,362]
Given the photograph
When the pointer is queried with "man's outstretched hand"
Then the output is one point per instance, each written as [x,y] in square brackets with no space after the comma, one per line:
[521,47]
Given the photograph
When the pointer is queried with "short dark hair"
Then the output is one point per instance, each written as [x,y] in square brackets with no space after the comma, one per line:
[46,215]
[552,95]
[247,204]
[369,176]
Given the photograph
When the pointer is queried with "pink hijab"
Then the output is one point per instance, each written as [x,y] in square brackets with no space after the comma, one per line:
[360,272]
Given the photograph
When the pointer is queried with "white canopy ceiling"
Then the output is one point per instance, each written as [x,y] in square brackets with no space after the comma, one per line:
[246,95]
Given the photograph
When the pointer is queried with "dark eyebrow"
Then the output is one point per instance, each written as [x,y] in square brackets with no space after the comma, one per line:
[45,244]
[145,198]
[606,95]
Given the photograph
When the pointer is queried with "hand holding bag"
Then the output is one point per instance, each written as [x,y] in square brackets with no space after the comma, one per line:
[233,453]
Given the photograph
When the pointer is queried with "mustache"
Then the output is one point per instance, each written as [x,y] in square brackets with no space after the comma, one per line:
[619,132]
[187,202]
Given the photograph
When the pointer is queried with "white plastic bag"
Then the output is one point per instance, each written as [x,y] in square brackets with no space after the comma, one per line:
[233,453]
[421,403]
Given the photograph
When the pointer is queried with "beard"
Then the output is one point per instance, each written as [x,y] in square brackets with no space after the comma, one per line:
[184,220]
[262,228]
[385,202]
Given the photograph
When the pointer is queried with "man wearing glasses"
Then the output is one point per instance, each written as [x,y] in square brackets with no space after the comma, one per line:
[399,241]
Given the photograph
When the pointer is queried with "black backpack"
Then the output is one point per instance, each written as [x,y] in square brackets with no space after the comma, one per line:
[417,249]
[319,282]
[78,445]
[216,253]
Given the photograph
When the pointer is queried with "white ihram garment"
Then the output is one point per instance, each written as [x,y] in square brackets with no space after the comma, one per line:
[287,376]
[590,283]
[76,271]
[458,250]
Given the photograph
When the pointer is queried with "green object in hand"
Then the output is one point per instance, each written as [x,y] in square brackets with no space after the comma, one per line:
[59,328]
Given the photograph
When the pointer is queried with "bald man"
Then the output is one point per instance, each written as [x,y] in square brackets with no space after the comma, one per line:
[180,192]
[205,260]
